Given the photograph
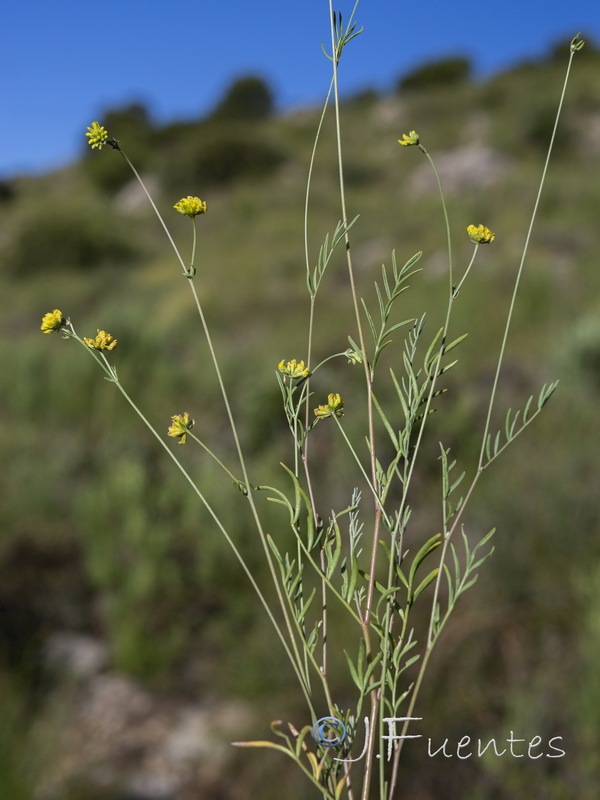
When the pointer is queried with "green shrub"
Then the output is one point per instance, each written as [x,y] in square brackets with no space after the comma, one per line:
[218,154]
[69,237]
[445,72]
[248,98]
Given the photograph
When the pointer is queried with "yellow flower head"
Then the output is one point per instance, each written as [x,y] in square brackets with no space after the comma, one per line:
[190,206]
[293,368]
[103,341]
[180,425]
[409,139]
[53,321]
[479,234]
[98,135]
[335,405]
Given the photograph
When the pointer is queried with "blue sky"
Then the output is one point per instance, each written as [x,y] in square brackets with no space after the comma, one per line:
[64,61]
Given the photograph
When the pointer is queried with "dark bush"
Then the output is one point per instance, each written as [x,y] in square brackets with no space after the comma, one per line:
[559,52]
[446,72]
[538,122]
[217,155]
[246,99]
[7,191]
[68,238]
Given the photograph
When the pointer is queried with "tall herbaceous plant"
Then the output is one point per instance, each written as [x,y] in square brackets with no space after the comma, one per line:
[356,557]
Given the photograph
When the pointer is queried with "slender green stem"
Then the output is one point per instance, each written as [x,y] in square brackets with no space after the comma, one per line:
[249,491]
[362,469]
[156,211]
[189,272]
[100,357]
[214,457]
[434,375]
[456,289]
[335,55]
[445,210]
[522,263]
[431,637]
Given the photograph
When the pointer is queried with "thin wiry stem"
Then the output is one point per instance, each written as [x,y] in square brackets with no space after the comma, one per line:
[522,264]
[431,636]
[100,357]
[189,272]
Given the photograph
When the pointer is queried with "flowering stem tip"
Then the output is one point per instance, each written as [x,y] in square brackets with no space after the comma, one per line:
[293,368]
[335,405]
[53,321]
[98,136]
[409,139]
[479,234]
[180,425]
[103,341]
[190,206]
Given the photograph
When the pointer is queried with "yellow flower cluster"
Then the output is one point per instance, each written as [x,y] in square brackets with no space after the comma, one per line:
[479,234]
[103,341]
[409,139]
[53,321]
[98,135]
[180,425]
[190,206]
[335,405]
[293,368]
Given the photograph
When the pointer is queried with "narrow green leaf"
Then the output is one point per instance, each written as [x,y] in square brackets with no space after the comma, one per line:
[429,355]
[385,281]
[275,550]
[488,454]
[485,540]
[469,583]
[456,483]
[411,376]
[333,558]
[386,423]
[305,606]
[397,325]
[400,394]
[369,320]
[496,442]
[382,307]
[425,583]
[353,579]
[353,672]
[448,367]
[453,344]
[429,546]
[483,558]
[507,425]
[450,587]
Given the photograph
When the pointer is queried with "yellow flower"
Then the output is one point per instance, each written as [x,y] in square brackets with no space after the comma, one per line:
[181,424]
[53,321]
[190,206]
[98,135]
[408,139]
[335,405]
[479,234]
[293,368]
[103,341]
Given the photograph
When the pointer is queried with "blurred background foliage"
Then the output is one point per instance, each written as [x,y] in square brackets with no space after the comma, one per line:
[101,537]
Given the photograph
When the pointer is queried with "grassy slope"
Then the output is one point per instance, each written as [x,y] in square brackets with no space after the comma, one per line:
[135,556]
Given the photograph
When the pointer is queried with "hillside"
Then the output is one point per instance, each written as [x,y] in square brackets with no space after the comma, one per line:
[101,540]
